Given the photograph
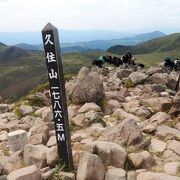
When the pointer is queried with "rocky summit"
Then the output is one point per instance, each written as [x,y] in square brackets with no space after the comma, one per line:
[125,125]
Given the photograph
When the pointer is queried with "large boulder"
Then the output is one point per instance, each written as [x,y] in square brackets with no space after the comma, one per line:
[4,108]
[87,87]
[17,140]
[90,167]
[172,168]
[89,106]
[40,133]
[30,120]
[137,77]
[127,133]
[141,159]
[157,146]
[160,117]
[166,132]
[36,154]
[175,110]
[111,154]
[52,156]
[47,114]
[115,174]
[123,73]
[172,80]
[157,104]
[27,173]
[158,78]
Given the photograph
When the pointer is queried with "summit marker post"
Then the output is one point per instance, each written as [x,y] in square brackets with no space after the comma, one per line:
[58,95]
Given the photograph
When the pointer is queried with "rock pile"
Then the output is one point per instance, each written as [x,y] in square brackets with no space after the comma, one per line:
[124,125]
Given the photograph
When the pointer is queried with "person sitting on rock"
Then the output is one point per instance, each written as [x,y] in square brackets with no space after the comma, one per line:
[99,61]
[177,64]
[168,63]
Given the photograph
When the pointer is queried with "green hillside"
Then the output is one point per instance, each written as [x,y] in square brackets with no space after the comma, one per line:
[22,70]
[163,44]
[21,74]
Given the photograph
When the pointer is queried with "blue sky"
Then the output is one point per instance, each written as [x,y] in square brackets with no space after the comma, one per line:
[117,15]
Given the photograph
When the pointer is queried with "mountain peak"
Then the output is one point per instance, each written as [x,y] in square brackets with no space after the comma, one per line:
[12,52]
[1,44]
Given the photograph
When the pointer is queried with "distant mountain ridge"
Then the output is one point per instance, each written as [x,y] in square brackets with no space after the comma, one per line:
[70,49]
[163,44]
[99,44]
[66,36]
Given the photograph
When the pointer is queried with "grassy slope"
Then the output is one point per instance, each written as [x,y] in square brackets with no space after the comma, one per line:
[23,74]
[163,44]
[152,59]
[20,75]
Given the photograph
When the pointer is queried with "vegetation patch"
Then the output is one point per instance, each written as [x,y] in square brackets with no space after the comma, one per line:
[17,111]
[40,88]
[101,121]
[128,83]
[58,168]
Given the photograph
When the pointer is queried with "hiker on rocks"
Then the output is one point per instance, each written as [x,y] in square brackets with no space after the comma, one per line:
[177,64]
[168,63]
[99,61]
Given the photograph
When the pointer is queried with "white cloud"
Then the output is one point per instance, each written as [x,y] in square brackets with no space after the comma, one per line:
[119,15]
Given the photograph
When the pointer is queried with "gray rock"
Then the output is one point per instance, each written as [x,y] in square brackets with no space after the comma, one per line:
[137,77]
[157,146]
[87,87]
[149,129]
[174,146]
[52,156]
[115,174]
[27,173]
[158,78]
[17,140]
[111,154]
[140,160]
[123,73]
[90,167]
[172,80]
[92,115]
[3,177]
[25,109]
[172,168]
[80,120]
[40,133]
[89,106]
[120,114]
[131,175]
[167,132]
[175,110]
[47,114]
[30,120]
[67,176]
[170,155]
[4,108]
[47,175]
[52,141]
[156,176]
[72,111]
[125,133]
[158,104]
[116,95]
[160,117]
[36,154]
